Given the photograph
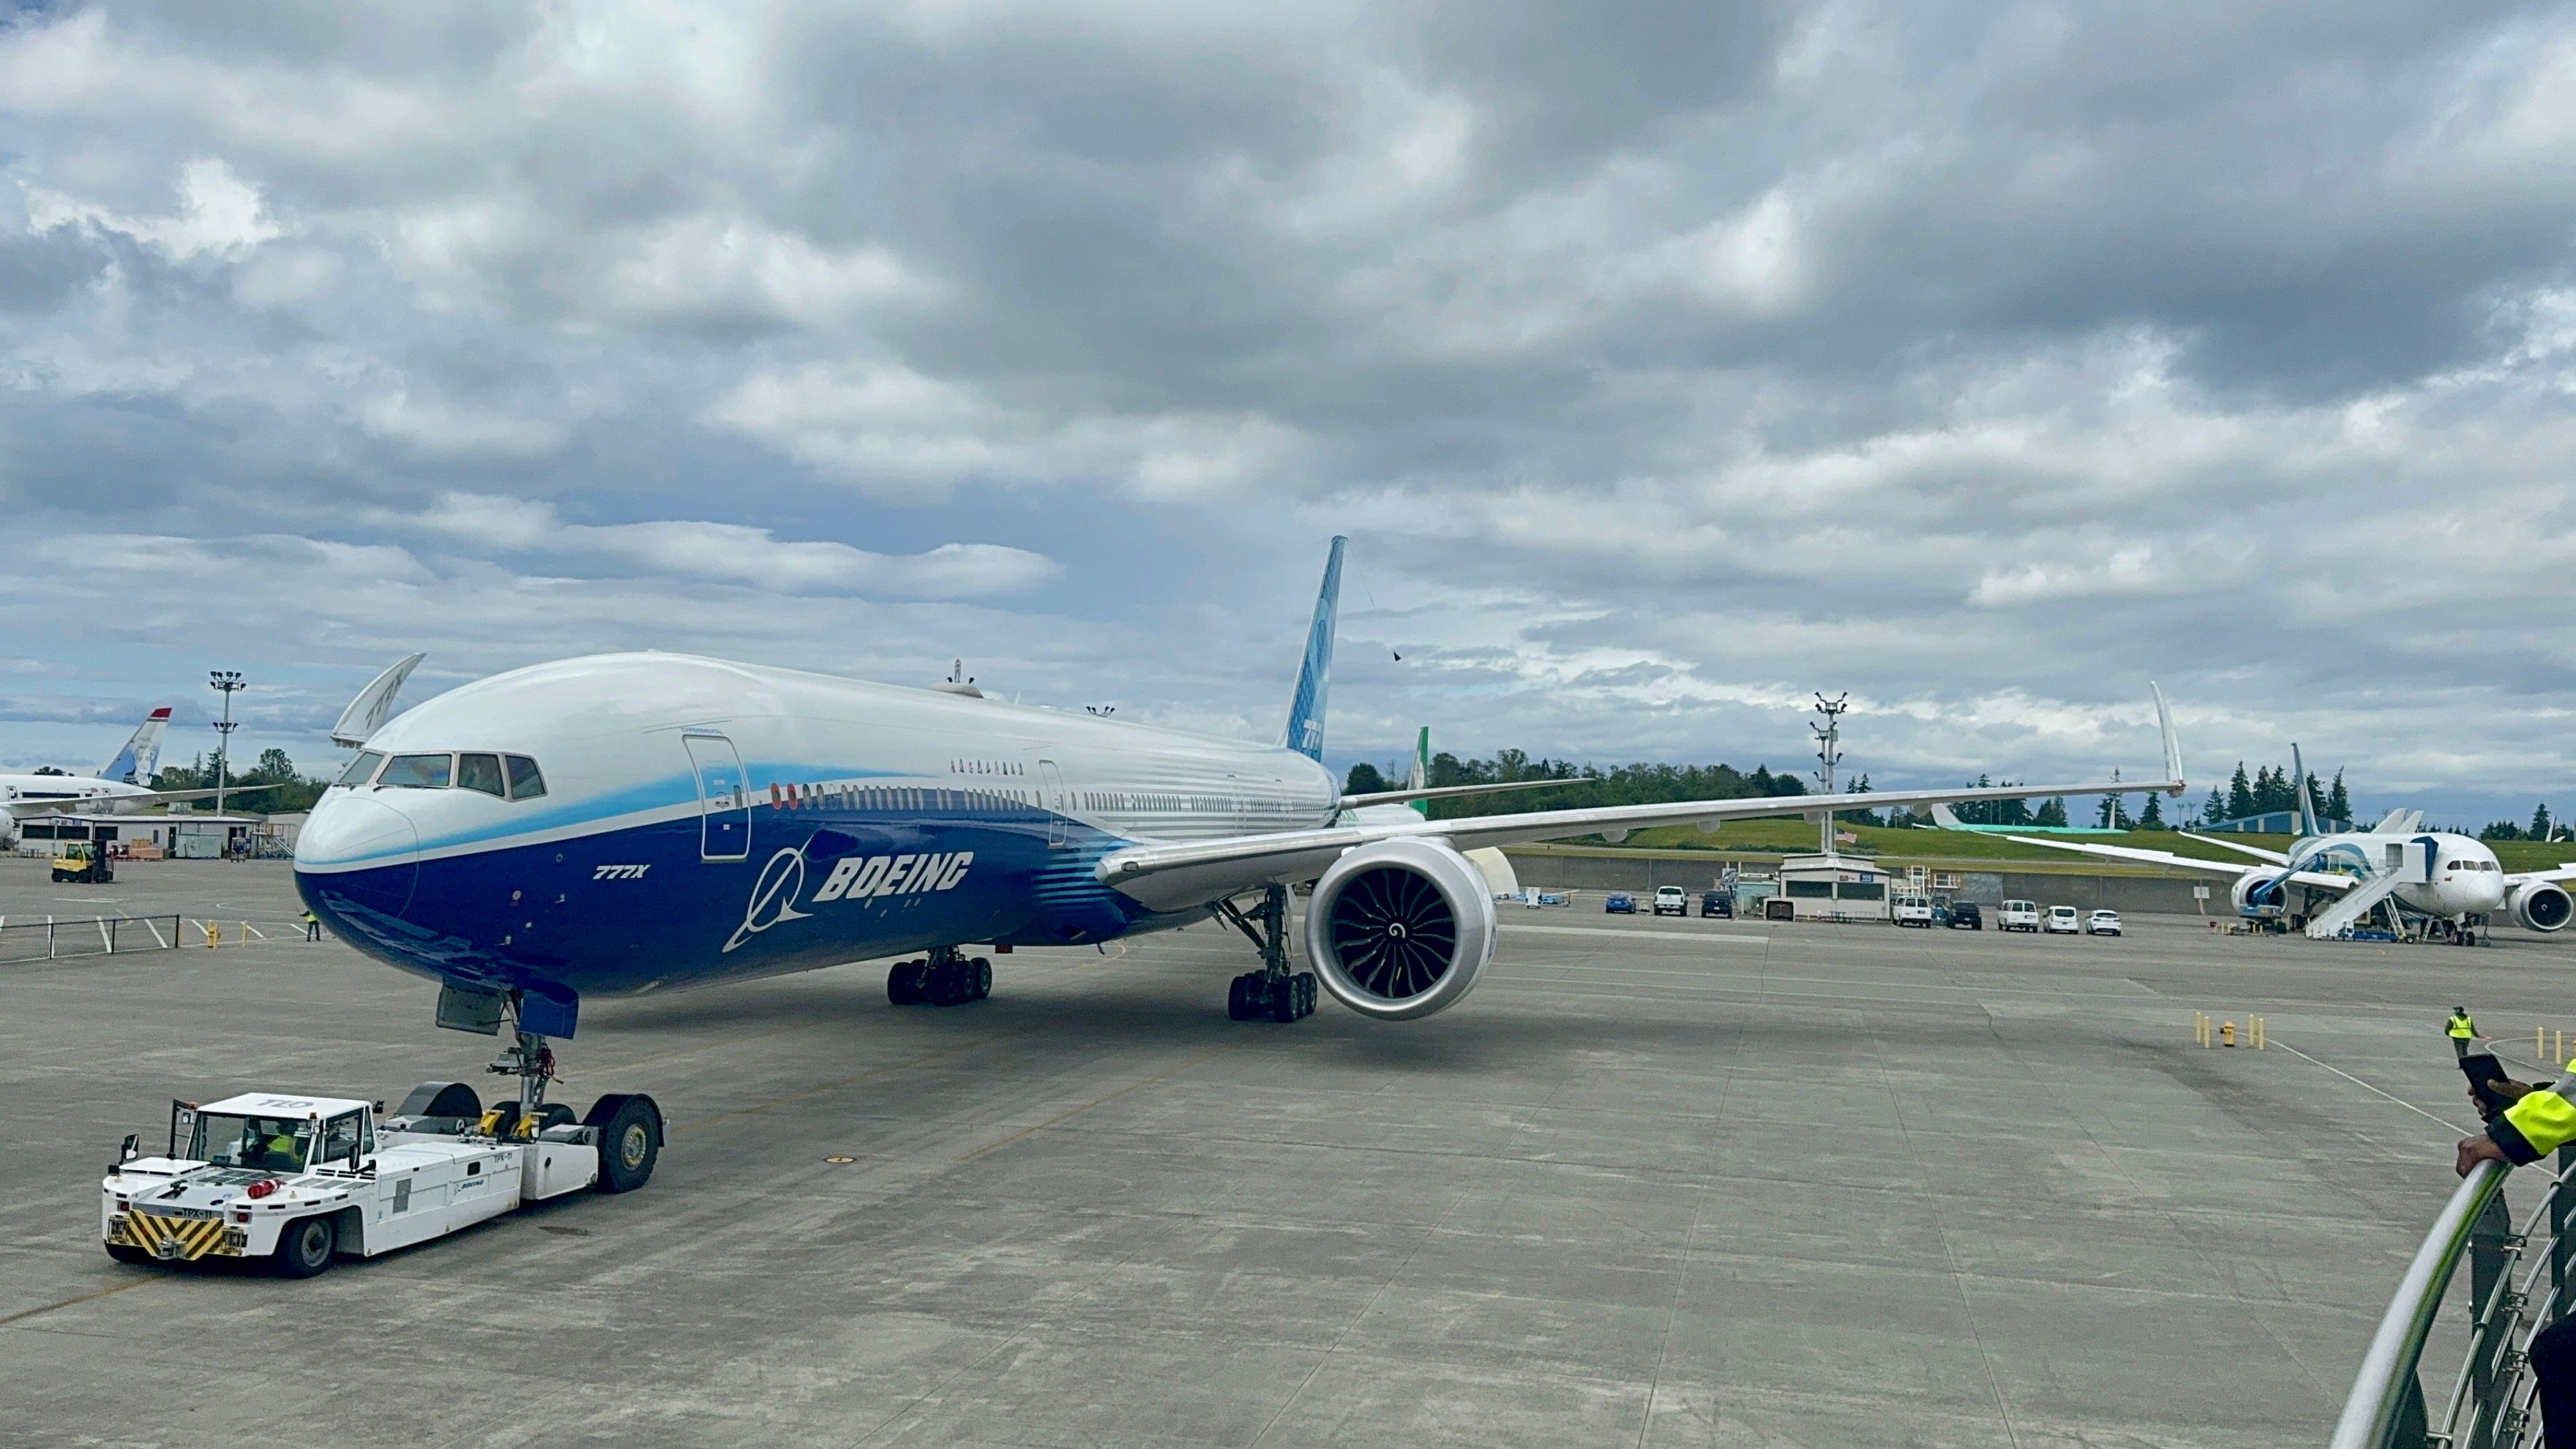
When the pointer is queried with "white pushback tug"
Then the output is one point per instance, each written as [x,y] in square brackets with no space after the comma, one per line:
[298,1180]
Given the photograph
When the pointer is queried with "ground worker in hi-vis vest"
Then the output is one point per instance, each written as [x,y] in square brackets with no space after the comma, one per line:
[2461,1029]
[2537,1121]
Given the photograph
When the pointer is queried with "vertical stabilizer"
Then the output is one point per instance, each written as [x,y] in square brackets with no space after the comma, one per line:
[1305,732]
[1420,779]
[2304,821]
[141,756]
[368,711]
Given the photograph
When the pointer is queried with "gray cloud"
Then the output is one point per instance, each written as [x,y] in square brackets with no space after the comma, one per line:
[1664,361]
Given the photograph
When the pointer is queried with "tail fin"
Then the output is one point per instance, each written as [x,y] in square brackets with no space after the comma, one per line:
[135,763]
[2304,817]
[368,711]
[1305,732]
[1420,779]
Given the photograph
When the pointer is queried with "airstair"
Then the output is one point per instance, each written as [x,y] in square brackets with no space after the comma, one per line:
[2518,1285]
[2356,903]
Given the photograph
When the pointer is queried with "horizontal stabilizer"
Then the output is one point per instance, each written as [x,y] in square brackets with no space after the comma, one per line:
[1443,792]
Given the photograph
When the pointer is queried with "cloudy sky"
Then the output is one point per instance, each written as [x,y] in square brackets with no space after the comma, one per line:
[1663,363]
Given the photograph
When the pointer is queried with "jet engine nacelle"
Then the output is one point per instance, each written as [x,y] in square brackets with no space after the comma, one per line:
[2262,896]
[1400,928]
[2540,906]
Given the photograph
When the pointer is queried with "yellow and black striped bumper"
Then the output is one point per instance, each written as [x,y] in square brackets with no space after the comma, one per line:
[174,1239]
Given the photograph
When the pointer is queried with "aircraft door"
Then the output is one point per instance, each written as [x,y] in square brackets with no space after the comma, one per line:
[724,798]
[1051,782]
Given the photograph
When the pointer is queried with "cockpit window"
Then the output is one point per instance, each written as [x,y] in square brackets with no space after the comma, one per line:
[525,782]
[362,769]
[417,772]
[479,772]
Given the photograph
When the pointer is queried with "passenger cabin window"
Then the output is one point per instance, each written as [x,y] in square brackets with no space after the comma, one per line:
[417,772]
[525,782]
[479,772]
[361,770]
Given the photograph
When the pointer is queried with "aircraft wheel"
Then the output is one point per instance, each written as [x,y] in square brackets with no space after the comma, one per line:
[305,1247]
[983,970]
[904,984]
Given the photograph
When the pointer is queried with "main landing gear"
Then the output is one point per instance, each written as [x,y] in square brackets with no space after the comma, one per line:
[1273,993]
[943,978]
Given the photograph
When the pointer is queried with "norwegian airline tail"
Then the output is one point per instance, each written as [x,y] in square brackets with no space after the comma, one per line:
[135,763]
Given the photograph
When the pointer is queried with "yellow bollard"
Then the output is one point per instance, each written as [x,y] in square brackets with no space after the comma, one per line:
[2262,1032]
[2227,1034]
[214,936]
[2560,1054]
[2540,1043]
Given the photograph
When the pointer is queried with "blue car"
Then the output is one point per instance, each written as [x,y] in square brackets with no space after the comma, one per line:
[1619,903]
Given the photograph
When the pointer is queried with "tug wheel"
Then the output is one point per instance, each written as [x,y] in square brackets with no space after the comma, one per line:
[305,1247]
[630,1141]
[127,1253]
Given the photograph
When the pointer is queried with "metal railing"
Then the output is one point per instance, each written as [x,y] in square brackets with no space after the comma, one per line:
[2493,1402]
[50,939]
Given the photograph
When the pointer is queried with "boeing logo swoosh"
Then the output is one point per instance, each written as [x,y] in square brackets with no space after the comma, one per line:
[773,896]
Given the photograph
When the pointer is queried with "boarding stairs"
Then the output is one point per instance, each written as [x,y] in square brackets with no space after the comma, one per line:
[2518,1285]
[2356,903]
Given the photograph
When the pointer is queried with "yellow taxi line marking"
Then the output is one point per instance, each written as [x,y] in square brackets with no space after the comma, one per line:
[84,1298]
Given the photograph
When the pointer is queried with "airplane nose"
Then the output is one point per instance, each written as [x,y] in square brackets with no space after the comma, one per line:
[362,850]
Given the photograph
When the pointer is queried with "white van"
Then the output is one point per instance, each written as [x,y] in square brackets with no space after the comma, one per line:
[1913,911]
[2018,916]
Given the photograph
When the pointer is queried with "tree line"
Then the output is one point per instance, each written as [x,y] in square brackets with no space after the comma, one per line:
[294,790]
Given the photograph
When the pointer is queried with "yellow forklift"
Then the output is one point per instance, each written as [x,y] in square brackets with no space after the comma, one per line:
[84,864]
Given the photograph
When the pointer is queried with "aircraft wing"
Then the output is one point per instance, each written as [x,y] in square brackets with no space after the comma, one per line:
[2323,880]
[1192,873]
[2566,872]
[86,805]
[1172,877]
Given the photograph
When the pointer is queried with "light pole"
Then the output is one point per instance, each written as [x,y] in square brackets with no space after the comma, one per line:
[1829,752]
[227,682]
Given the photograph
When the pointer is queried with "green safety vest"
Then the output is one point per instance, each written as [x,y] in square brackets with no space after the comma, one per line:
[2463,1028]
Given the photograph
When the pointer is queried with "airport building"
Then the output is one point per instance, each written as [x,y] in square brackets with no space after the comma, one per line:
[1828,888]
[167,837]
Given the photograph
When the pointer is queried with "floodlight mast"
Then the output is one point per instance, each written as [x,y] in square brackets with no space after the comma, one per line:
[227,682]
[1829,753]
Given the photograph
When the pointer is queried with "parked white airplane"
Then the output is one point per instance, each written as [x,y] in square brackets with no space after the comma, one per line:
[644,822]
[2452,878]
[121,786]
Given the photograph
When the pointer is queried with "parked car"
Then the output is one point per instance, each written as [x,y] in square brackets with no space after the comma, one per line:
[2102,923]
[1720,904]
[2062,921]
[1619,903]
[1912,911]
[1669,901]
[2018,916]
[1965,913]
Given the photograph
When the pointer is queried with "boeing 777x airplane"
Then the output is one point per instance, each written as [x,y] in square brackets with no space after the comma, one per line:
[645,822]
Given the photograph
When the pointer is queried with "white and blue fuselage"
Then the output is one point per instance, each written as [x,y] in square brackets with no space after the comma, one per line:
[631,822]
